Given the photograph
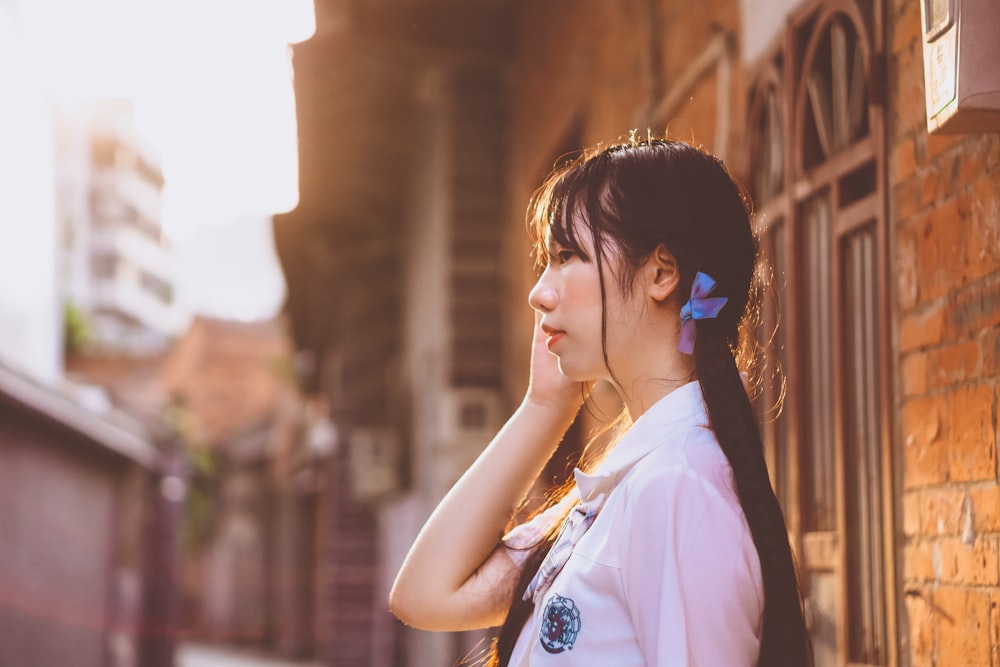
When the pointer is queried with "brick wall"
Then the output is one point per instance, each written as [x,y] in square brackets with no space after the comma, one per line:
[945,211]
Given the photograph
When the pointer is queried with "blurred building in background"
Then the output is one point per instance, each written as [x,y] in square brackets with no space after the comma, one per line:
[89,509]
[251,500]
[394,266]
[426,124]
[89,494]
[117,267]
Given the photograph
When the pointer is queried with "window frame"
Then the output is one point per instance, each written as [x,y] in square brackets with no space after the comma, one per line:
[785,65]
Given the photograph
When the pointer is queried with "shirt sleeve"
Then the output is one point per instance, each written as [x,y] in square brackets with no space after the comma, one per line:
[691,574]
[522,538]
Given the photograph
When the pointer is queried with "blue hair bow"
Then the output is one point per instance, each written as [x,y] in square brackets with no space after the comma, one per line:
[698,308]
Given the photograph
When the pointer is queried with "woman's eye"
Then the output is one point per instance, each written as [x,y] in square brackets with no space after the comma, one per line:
[564,256]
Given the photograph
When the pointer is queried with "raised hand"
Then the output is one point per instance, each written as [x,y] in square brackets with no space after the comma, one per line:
[457,576]
[548,387]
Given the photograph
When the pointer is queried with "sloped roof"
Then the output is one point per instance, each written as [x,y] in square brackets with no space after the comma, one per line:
[112,430]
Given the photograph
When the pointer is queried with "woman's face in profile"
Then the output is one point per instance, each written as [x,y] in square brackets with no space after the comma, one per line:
[568,295]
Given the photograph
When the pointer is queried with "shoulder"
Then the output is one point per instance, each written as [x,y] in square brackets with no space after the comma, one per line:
[683,493]
[692,460]
[681,512]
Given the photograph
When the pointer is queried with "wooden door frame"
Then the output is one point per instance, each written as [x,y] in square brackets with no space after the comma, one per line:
[805,28]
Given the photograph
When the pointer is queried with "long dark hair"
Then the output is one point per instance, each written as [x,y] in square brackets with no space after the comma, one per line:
[638,195]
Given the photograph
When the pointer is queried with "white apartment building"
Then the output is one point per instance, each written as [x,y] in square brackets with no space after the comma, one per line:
[80,211]
[117,265]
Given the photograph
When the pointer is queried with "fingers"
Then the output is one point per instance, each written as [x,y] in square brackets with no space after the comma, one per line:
[539,335]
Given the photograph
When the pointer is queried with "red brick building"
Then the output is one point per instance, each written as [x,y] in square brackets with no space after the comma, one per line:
[884,241]
[250,563]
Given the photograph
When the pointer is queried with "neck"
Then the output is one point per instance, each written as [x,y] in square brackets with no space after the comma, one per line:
[648,391]
[654,369]
[647,364]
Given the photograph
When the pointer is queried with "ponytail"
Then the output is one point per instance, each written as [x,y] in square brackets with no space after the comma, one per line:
[784,639]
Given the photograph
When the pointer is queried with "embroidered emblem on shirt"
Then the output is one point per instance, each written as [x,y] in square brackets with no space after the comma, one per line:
[560,625]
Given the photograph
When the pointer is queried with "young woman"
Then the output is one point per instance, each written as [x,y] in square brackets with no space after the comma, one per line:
[672,550]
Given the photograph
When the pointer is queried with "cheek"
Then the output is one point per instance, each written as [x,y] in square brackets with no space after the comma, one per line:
[619,304]
[585,297]
[584,283]
[624,310]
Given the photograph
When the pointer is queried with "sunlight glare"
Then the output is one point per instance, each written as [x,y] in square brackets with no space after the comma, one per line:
[212,86]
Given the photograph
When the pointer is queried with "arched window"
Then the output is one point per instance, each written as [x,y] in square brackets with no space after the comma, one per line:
[817,177]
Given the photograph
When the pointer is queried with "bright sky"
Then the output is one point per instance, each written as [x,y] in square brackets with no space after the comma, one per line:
[212,85]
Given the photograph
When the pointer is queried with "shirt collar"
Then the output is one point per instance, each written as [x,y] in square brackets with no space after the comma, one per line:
[682,408]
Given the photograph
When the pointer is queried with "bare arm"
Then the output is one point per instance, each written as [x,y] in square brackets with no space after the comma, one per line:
[456,576]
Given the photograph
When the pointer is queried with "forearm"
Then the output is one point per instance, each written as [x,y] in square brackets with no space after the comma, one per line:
[441,585]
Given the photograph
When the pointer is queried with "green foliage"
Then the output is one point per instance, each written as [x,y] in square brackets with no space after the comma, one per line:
[76,332]
[200,506]
[201,499]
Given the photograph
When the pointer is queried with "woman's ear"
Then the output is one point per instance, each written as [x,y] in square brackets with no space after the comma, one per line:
[664,273]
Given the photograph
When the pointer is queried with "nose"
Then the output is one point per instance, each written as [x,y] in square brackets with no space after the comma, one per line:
[543,296]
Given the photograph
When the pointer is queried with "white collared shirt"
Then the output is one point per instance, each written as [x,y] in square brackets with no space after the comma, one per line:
[667,574]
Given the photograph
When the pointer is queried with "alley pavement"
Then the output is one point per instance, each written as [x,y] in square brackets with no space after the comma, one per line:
[202,655]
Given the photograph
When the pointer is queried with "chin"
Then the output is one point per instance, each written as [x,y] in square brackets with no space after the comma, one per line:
[575,373]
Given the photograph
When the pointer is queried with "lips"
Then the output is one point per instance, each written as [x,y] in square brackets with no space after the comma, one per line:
[553,335]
